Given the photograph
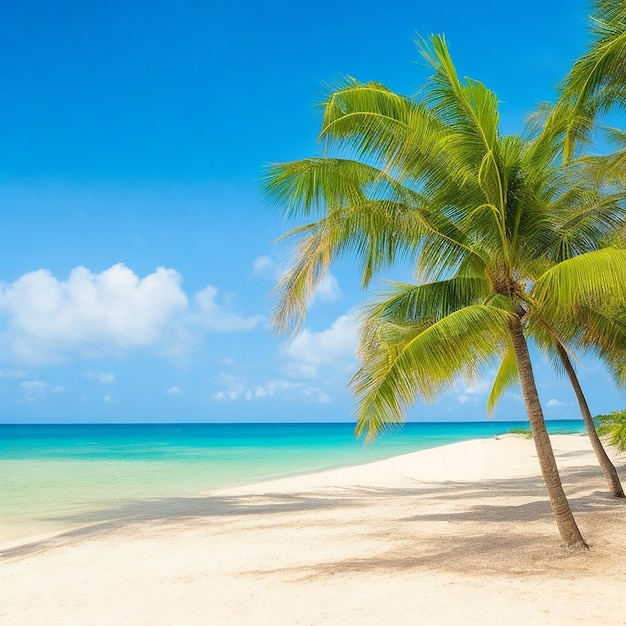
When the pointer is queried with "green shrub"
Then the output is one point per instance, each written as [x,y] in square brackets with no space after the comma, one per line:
[613,427]
[521,431]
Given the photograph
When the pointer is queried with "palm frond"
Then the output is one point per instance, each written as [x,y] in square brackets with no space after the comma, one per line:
[506,378]
[404,302]
[592,279]
[314,187]
[403,362]
[596,80]
[373,123]
[469,108]
[583,221]
[377,233]
[609,169]
[602,330]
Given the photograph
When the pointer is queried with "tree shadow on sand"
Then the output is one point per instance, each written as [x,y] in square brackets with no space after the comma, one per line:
[483,523]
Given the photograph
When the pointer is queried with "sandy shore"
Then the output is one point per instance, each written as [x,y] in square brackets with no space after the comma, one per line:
[461,534]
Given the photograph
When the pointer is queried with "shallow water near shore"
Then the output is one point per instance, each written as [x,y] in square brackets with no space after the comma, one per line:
[52,475]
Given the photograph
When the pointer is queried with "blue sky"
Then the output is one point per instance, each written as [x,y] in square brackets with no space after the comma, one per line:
[136,251]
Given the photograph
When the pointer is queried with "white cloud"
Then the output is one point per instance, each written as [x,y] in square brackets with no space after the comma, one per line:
[89,314]
[34,386]
[328,289]
[265,267]
[213,317]
[474,391]
[554,402]
[239,391]
[103,378]
[107,314]
[36,389]
[108,399]
[174,391]
[333,348]
[12,373]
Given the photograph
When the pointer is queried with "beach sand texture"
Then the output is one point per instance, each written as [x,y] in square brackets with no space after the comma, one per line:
[461,534]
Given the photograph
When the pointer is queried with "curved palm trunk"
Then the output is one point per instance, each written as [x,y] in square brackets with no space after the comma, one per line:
[605,463]
[560,506]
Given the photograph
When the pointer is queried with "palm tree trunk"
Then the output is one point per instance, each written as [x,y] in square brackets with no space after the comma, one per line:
[605,463]
[560,506]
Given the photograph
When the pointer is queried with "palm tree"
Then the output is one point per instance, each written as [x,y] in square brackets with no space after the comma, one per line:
[431,179]
[607,466]
[559,354]
[599,327]
[585,224]
[399,337]
[595,85]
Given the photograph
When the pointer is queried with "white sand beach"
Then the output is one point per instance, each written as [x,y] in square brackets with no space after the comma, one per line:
[461,534]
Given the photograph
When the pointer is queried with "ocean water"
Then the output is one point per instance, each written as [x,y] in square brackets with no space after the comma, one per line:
[54,476]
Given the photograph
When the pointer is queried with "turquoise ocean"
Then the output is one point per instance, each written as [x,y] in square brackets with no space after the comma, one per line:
[54,476]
